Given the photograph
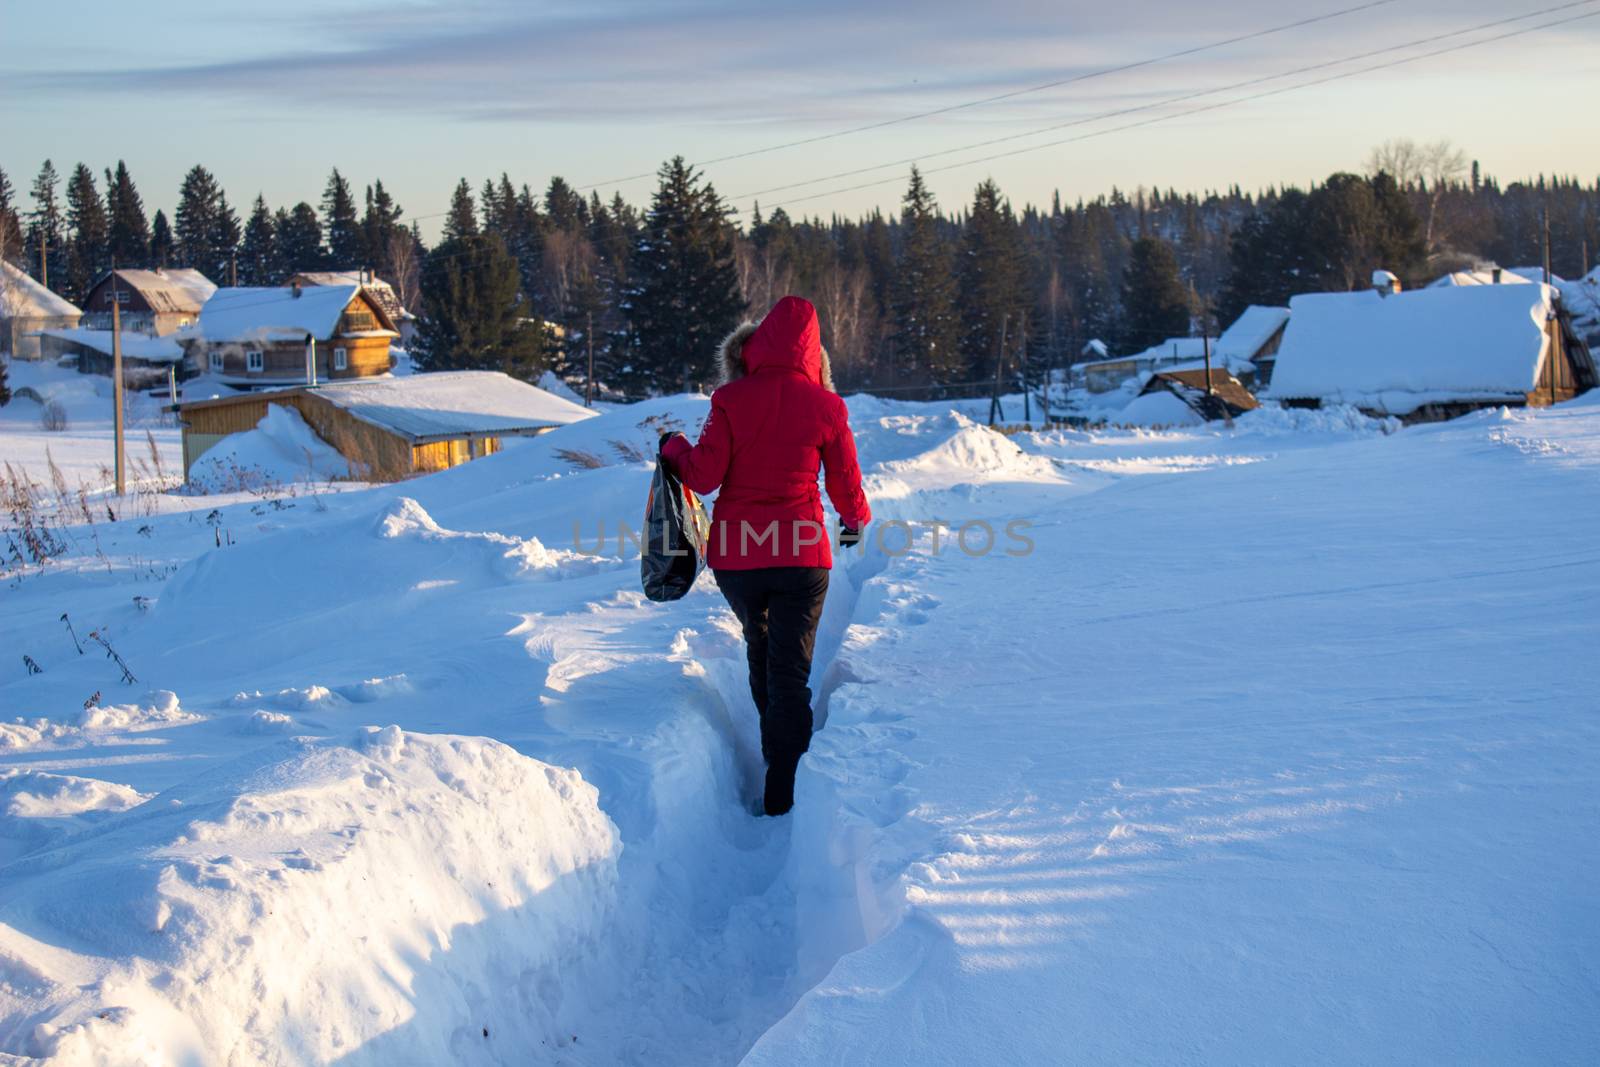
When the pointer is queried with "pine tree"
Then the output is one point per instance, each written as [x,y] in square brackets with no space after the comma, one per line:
[990,279]
[207,228]
[462,219]
[926,336]
[258,252]
[161,240]
[299,240]
[684,296]
[381,229]
[1156,304]
[46,227]
[476,317]
[89,255]
[11,247]
[129,229]
[346,250]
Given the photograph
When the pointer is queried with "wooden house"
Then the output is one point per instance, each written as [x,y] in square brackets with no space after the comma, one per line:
[263,337]
[26,308]
[153,302]
[392,428]
[1430,353]
[1106,375]
[1212,395]
[380,291]
[1249,347]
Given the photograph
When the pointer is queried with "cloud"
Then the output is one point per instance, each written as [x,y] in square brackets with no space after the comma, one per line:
[717,60]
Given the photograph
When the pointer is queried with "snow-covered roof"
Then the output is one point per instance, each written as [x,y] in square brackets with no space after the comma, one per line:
[451,404]
[377,288]
[276,313]
[1251,331]
[134,345]
[1399,352]
[1481,276]
[177,290]
[22,297]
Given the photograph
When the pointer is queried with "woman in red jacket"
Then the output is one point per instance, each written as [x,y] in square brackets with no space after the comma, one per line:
[773,423]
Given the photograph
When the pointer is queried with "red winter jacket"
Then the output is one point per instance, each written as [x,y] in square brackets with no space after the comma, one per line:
[771,426]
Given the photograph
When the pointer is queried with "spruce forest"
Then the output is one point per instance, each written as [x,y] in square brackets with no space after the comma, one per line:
[933,299]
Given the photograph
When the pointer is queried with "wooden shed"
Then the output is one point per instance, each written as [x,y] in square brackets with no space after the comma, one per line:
[154,302]
[257,337]
[1212,395]
[392,428]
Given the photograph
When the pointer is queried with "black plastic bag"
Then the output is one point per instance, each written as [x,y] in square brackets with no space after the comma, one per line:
[676,530]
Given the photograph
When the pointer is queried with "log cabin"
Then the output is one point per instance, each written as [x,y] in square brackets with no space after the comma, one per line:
[252,338]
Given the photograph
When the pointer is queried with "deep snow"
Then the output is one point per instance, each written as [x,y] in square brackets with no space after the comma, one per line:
[1278,745]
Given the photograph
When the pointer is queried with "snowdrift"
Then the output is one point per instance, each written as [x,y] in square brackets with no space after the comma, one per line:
[391,897]
[281,450]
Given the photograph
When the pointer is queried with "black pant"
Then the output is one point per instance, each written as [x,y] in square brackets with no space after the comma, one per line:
[779,608]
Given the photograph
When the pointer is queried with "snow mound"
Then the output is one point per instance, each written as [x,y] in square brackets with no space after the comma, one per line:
[462,875]
[1336,420]
[1158,409]
[514,557]
[159,709]
[281,449]
[969,452]
[41,795]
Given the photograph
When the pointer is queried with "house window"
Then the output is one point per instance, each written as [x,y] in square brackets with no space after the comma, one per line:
[341,359]
[253,361]
[216,362]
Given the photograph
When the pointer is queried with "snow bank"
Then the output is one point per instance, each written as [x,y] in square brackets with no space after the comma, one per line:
[281,449]
[1158,409]
[398,897]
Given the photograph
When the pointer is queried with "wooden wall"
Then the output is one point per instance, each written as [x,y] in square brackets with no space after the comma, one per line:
[375,454]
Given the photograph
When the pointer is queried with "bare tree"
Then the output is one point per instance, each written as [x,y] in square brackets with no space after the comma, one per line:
[844,315]
[1427,171]
[406,269]
[569,258]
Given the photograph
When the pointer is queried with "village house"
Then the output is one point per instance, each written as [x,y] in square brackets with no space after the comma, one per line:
[153,302]
[1430,353]
[27,307]
[392,428]
[1107,375]
[1253,339]
[272,336]
[146,361]
[380,290]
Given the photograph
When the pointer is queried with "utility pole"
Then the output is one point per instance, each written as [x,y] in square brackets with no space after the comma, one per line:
[1547,244]
[44,261]
[1027,397]
[999,364]
[116,382]
[233,270]
[588,383]
[1206,344]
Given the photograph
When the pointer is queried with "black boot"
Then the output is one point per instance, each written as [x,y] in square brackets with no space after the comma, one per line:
[780,783]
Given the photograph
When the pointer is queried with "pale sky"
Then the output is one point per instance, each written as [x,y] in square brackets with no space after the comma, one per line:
[420,93]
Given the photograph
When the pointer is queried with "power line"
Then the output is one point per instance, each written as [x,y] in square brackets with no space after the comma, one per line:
[1215,107]
[1012,94]
[1182,98]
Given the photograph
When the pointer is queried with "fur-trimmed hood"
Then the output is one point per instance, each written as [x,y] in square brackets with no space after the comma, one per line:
[789,337]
